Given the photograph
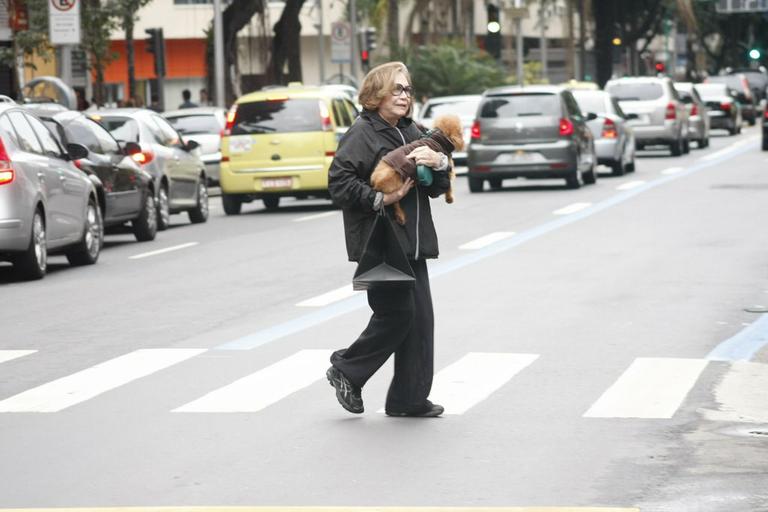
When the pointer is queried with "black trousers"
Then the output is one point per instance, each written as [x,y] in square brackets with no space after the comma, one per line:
[402,323]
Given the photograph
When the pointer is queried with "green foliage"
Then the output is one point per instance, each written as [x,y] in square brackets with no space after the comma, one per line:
[97,22]
[532,74]
[31,41]
[449,69]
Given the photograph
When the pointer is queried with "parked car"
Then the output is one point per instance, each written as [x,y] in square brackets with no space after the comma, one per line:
[530,132]
[178,173]
[204,125]
[723,109]
[463,106]
[765,130]
[738,82]
[125,191]
[698,118]
[758,83]
[614,139]
[661,116]
[47,204]
[280,142]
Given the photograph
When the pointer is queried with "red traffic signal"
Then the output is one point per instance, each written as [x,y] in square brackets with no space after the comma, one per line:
[659,67]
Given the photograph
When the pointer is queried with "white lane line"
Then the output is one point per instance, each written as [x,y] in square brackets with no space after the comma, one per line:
[329,297]
[267,386]
[486,240]
[572,208]
[728,148]
[84,385]
[630,185]
[473,378]
[8,355]
[650,388]
[316,216]
[672,170]
[162,251]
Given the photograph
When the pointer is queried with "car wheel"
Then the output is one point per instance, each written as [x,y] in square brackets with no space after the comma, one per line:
[475,184]
[676,148]
[765,143]
[199,213]
[752,122]
[618,167]
[590,177]
[87,250]
[33,262]
[145,225]
[686,146]
[495,183]
[574,179]
[232,204]
[163,209]
[271,202]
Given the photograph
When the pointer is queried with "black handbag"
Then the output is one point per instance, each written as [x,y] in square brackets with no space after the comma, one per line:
[383,263]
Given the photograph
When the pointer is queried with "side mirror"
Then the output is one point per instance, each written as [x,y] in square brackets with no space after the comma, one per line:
[131,148]
[591,116]
[76,151]
[631,116]
[191,145]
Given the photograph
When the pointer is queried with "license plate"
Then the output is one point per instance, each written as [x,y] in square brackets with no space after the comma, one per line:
[270,183]
[518,157]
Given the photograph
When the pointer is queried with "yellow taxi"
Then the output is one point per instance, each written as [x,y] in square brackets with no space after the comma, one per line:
[279,142]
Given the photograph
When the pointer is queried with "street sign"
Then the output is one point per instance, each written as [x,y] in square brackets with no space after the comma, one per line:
[734,6]
[341,42]
[64,21]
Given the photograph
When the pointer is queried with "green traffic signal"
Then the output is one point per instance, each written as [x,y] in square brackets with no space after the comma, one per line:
[754,54]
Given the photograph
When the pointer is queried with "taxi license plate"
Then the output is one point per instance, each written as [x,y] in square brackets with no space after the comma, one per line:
[271,183]
[518,157]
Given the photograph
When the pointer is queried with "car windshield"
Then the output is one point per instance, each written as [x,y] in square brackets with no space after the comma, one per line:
[289,115]
[195,124]
[685,97]
[636,91]
[123,129]
[520,105]
[464,108]
[710,90]
[590,102]
[733,81]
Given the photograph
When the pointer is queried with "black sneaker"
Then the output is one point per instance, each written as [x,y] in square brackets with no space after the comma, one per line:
[429,410]
[347,394]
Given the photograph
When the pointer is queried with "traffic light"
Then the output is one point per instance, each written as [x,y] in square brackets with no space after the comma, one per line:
[369,39]
[659,66]
[493,36]
[156,45]
[755,54]
[365,60]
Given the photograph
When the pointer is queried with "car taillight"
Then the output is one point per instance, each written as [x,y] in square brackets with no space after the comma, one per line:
[671,112]
[325,117]
[6,170]
[694,110]
[475,133]
[78,164]
[566,127]
[231,115]
[609,130]
[765,114]
[143,157]
[725,107]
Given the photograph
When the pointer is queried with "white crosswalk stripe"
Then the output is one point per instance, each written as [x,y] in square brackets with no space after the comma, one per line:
[84,385]
[8,355]
[267,386]
[650,388]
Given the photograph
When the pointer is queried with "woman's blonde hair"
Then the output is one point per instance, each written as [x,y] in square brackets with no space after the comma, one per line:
[379,82]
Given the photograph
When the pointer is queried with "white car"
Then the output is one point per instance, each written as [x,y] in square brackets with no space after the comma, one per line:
[463,106]
[204,125]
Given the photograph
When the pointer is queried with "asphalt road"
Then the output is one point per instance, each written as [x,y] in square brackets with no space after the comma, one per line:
[593,349]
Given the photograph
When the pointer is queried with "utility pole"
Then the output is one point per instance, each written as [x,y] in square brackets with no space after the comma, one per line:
[543,15]
[321,41]
[519,44]
[220,93]
[353,47]
[582,42]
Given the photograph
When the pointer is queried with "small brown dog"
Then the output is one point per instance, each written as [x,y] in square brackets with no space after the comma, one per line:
[391,172]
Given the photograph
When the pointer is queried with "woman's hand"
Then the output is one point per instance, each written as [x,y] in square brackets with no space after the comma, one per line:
[426,156]
[400,193]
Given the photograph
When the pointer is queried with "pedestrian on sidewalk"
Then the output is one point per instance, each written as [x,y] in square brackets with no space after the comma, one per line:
[403,321]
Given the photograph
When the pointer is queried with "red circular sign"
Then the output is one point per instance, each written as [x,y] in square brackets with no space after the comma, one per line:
[63,5]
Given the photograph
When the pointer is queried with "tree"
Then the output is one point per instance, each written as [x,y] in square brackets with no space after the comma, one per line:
[286,45]
[98,20]
[127,9]
[30,41]
[235,17]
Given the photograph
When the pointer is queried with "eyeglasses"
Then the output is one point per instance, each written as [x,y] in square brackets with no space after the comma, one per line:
[400,89]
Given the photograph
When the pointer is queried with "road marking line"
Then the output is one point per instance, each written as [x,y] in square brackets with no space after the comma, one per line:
[650,388]
[162,251]
[572,208]
[728,148]
[630,185]
[67,391]
[672,170]
[325,509]
[316,216]
[8,355]
[329,297]
[267,386]
[486,240]
[474,377]
[744,344]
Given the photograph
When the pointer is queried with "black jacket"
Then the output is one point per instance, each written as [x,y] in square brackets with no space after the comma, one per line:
[360,149]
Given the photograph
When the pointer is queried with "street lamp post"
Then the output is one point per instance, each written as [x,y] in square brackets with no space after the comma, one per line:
[218,55]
